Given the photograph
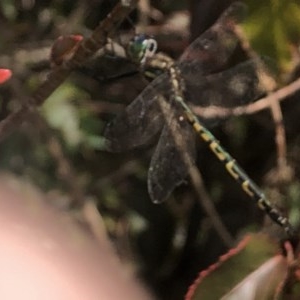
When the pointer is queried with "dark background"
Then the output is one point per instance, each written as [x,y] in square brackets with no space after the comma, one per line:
[62,152]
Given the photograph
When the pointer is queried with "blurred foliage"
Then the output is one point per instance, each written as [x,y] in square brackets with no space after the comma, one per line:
[273,29]
[170,243]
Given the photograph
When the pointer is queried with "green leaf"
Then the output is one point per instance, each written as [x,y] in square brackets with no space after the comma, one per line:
[62,113]
[273,27]
[254,262]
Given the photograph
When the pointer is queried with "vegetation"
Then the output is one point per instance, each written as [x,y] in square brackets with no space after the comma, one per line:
[57,142]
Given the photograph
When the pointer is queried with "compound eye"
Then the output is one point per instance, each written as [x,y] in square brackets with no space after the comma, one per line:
[152,46]
[150,49]
[141,48]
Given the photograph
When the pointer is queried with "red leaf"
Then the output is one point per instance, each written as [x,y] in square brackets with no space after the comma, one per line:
[63,48]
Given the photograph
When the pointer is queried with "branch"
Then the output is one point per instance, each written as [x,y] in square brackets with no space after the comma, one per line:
[211,112]
[85,50]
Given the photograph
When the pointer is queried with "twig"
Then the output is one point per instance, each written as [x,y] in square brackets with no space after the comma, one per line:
[85,50]
[114,177]
[194,174]
[96,224]
[264,103]
[198,185]
[65,170]
[144,12]
[276,112]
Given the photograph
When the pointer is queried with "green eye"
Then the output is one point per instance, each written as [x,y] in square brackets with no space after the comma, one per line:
[140,48]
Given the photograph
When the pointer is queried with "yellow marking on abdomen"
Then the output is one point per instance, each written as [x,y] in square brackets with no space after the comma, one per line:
[261,203]
[214,146]
[197,127]
[229,166]
[245,186]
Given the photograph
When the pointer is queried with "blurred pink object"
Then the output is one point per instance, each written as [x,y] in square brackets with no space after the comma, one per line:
[5,74]
[45,255]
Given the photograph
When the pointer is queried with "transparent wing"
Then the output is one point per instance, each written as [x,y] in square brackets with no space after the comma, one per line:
[236,86]
[167,168]
[141,121]
[211,50]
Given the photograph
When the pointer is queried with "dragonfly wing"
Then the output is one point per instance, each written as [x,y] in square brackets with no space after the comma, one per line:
[236,86]
[167,168]
[141,121]
[211,50]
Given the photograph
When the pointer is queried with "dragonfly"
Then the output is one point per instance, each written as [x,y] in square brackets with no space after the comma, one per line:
[194,78]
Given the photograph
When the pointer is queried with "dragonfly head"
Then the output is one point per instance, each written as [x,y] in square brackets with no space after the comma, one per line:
[141,47]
